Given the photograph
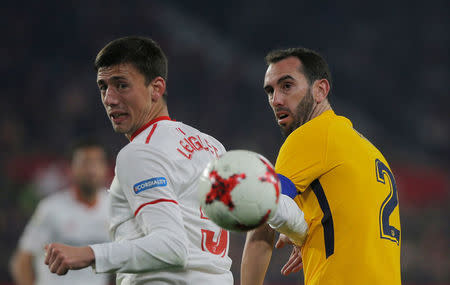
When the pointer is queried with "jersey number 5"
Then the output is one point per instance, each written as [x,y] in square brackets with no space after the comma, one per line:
[218,246]
[387,207]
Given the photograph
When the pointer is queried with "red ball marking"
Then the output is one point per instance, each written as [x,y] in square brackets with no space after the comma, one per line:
[221,188]
[271,177]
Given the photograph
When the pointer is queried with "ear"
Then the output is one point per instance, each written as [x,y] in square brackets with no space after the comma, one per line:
[321,88]
[158,88]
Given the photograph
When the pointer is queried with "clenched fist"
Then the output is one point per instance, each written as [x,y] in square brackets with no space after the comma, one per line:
[60,257]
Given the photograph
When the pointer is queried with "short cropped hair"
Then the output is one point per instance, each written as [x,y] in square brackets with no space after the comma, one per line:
[314,66]
[143,53]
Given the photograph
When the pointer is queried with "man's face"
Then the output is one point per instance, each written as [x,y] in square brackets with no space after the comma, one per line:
[125,96]
[289,94]
[89,168]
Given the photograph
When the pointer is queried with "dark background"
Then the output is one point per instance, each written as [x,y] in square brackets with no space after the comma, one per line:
[389,61]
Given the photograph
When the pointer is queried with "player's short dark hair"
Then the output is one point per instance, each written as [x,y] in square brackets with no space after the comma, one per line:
[143,53]
[84,143]
[314,66]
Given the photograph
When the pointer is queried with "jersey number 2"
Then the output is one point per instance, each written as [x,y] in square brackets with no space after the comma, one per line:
[387,207]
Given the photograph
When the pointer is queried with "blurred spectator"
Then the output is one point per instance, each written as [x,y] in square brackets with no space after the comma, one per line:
[76,216]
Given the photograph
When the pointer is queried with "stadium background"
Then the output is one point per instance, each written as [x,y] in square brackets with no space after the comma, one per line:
[389,61]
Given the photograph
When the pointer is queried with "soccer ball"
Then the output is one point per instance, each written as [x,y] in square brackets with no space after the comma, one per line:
[239,191]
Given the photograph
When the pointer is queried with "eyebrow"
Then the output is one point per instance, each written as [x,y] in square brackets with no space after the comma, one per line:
[281,79]
[113,78]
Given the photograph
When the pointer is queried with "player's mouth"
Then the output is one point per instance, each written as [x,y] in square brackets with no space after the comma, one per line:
[283,117]
[118,117]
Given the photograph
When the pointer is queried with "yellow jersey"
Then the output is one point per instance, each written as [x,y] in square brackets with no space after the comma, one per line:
[347,191]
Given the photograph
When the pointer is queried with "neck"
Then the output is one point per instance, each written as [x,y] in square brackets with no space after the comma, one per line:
[320,108]
[87,198]
[159,109]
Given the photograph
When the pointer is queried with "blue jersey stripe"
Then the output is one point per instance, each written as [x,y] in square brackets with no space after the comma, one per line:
[287,186]
[327,219]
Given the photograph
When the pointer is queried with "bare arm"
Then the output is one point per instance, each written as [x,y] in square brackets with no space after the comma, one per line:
[257,253]
[21,268]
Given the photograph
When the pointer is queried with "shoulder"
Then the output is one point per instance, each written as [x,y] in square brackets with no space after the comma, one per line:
[173,138]
[157,137]
[170,141]
[342,134]
[103,194]
[139,158]
[310,136]
[136,158]
[53,202]
[56,198]
[129,151]
[215,141]
[136,151]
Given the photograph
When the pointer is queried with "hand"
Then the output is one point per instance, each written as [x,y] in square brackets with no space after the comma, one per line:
[295,262]
[60,257]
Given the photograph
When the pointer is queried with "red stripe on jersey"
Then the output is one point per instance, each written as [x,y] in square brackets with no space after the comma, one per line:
[153,202]
[151,133]
[141,129]
[181,131]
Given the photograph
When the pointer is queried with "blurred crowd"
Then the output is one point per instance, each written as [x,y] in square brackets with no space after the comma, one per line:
[389,61]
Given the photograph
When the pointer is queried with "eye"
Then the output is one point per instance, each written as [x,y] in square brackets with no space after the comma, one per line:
[287,86]
[102,88]
[269,92]
[122,85]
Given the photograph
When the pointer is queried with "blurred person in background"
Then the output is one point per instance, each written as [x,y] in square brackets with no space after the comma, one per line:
[160,234]
[341,182]
[76,216]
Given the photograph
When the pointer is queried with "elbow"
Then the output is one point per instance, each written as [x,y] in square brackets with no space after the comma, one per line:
[12,265]
[178,251]
[262,235]
[21,264]
[182,258]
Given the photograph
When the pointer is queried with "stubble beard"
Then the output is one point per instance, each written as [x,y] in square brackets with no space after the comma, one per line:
[88,188]
[301,115]
[121,129]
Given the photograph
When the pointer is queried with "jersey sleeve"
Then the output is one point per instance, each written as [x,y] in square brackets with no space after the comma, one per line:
[144,176]
[289,220]
[38,231]
[302,158]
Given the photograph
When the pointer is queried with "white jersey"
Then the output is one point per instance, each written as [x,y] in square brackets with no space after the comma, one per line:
[62,218]
[156,213]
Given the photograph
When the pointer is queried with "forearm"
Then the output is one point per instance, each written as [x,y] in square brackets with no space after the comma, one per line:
[21,267]
[156,251]
[256,256]
[289,220]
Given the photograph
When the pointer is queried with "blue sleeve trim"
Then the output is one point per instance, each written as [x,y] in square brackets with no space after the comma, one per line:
[287,186]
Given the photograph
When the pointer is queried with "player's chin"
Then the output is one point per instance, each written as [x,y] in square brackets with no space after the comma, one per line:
[120,128]
[284,126]
[286,129]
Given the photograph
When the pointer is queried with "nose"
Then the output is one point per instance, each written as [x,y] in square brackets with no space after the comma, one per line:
[110,98]
[277,99]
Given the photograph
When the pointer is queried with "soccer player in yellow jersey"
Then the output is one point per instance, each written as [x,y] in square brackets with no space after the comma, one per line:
[341,182]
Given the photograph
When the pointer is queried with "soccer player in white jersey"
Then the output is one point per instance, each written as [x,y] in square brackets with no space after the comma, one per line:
[75,217]
[160,234]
